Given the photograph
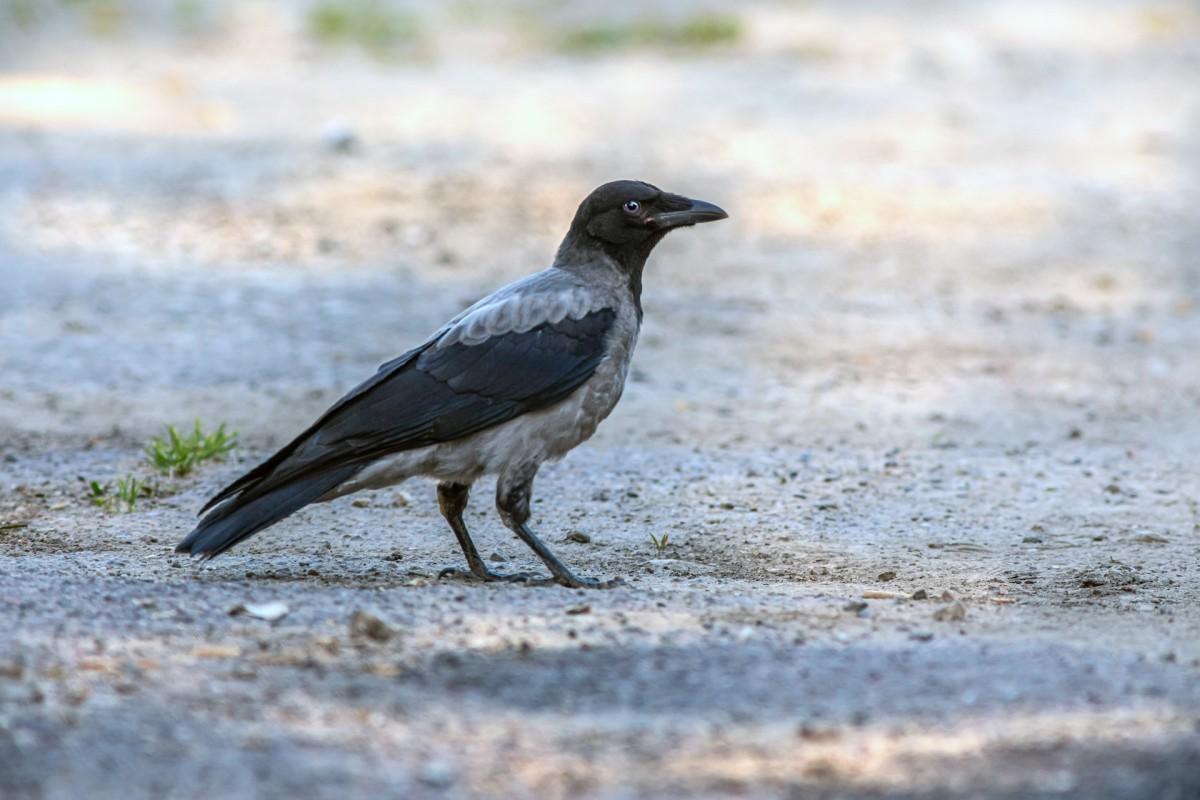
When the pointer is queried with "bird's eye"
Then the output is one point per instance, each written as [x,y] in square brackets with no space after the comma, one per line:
[632,207]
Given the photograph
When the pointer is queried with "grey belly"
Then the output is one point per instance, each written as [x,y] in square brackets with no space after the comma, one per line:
[527,440]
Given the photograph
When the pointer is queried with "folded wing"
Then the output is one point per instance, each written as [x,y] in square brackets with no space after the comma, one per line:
[433,394]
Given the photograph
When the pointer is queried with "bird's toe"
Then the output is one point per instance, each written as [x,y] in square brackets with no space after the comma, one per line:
[487,576]
[576,582]
[454,572]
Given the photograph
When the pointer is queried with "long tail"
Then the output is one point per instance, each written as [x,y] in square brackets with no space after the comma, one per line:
[252,510]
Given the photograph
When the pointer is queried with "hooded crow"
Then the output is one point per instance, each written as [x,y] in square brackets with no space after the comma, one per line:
[519,378]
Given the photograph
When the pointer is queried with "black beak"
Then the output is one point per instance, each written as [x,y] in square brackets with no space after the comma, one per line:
[696,211]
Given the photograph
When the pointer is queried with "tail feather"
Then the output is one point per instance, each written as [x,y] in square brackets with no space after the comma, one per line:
[248,513]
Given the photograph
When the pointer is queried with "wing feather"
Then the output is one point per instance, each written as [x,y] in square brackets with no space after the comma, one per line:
[435,393]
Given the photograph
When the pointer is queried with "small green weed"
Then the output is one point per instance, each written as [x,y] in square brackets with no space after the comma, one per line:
[177,454]
[23,13]
[113,17]
[706,30]
[374,25]
[660,542]
[695,33]
[122,497]
[105,17]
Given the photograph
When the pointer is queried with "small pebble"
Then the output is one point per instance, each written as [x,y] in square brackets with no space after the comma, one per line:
[364,625]
[437,774]
[271,612]
[951,613]
[338,137]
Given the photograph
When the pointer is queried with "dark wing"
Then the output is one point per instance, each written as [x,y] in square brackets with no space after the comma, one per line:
[385,371]
[428,396]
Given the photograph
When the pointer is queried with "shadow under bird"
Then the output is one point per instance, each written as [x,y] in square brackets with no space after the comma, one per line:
[519,378]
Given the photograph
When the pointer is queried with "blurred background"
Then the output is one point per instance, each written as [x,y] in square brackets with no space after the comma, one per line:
[911,184]
[948,333]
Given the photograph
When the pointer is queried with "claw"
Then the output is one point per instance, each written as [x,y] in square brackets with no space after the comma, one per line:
[488,576]
[575,582]
[568,579]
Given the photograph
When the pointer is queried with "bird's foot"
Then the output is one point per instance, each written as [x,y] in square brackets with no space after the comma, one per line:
[487,576]
[567,579]
[572,581]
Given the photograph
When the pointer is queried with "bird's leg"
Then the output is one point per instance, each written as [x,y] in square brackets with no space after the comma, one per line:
[452,500]
[513,493]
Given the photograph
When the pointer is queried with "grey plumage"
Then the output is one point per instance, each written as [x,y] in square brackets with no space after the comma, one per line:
[520,377]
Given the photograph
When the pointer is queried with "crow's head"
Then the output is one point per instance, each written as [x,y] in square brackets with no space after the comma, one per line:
[627,218]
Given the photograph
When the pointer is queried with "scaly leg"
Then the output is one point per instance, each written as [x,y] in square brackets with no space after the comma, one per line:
[452,500]
[513,492]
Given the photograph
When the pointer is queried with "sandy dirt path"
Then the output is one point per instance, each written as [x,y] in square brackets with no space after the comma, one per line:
[920,420]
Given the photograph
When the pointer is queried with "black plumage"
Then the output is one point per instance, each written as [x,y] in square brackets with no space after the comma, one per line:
[462,405]
[428,396]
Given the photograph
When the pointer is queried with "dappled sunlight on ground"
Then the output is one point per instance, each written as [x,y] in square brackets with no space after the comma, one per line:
[106,106]
[913,431]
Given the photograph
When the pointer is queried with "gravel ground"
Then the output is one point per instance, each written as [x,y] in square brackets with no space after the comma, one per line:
[920,420]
